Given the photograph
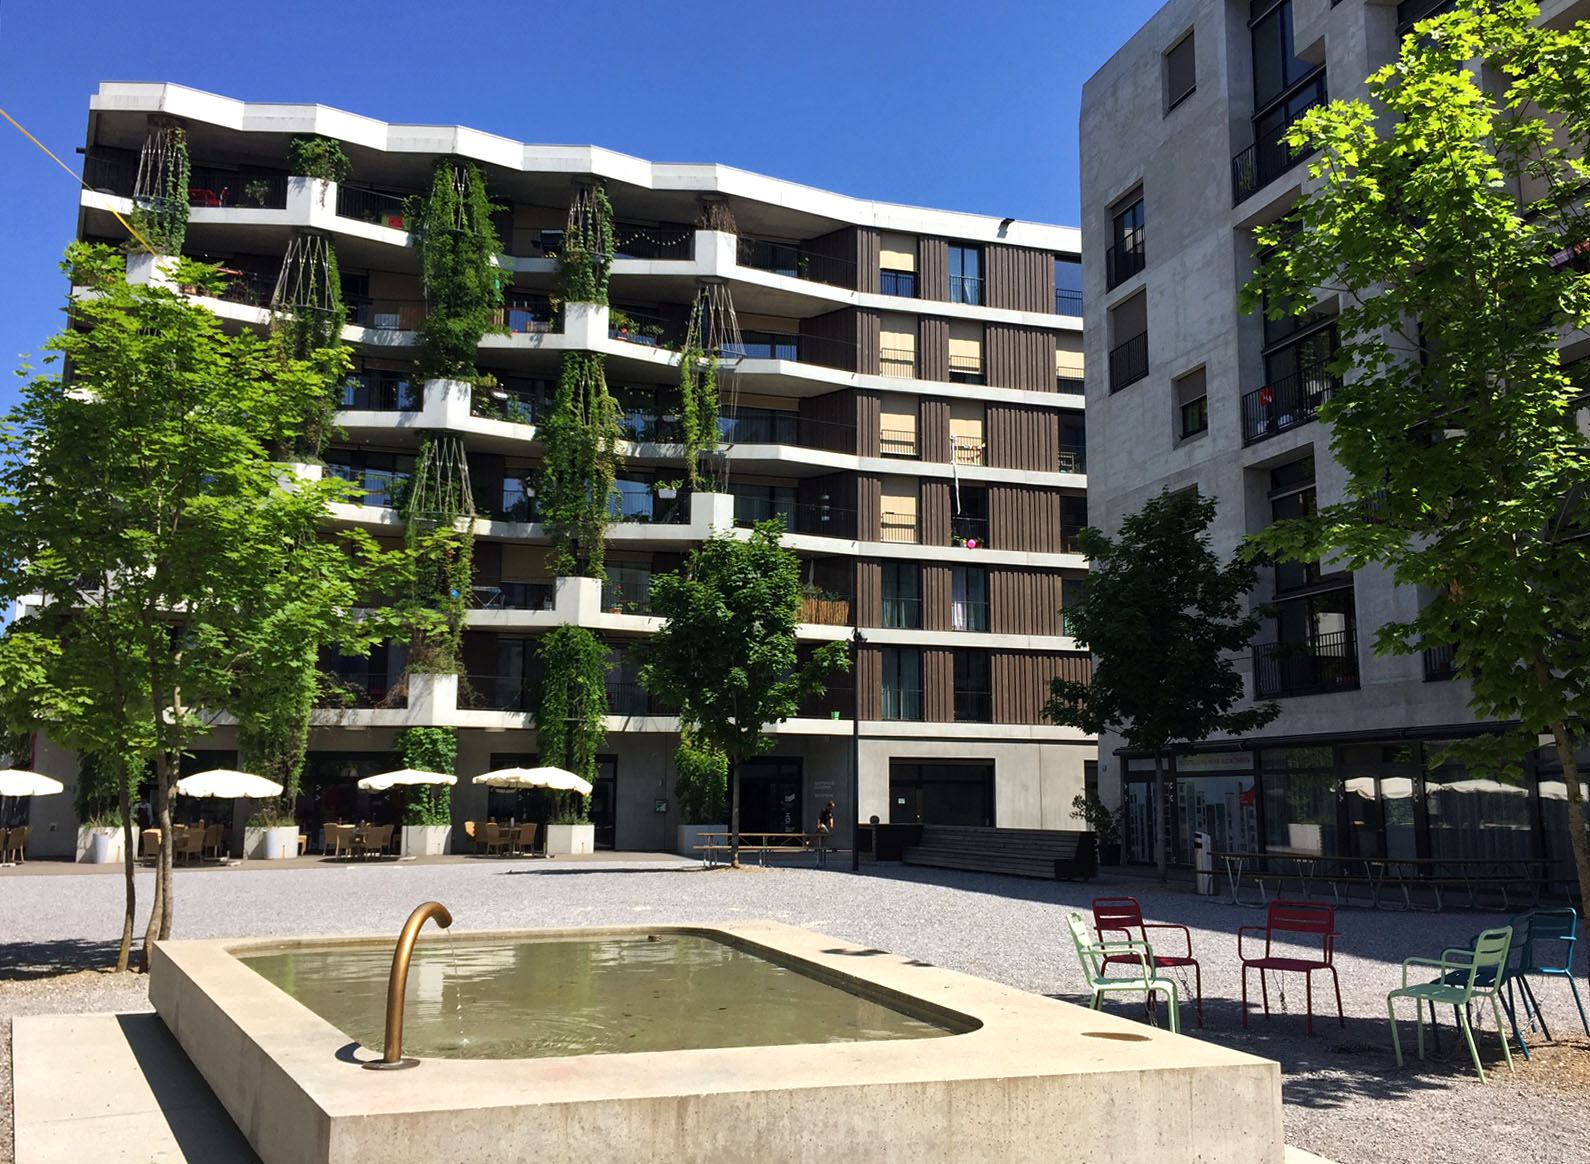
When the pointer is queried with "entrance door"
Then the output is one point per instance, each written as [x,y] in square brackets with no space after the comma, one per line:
[604,802]
[942,794]
[771,795]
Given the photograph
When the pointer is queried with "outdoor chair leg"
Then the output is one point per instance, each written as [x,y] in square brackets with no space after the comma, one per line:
[1573,986]
[1501,1032]
[1341,1015]
[1175,1011]
[1198,985]
[1468,1034]
[1507,1004]
[1534,1003]
[1391,1017]
[1244,997]
[1308,996]
[1264,990]
[1420,1013]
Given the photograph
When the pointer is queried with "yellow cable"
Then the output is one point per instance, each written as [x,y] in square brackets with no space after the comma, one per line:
[132,230]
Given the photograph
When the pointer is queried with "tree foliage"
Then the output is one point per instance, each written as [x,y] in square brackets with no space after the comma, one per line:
[429,749]
[458,249]
[1447,217]
[701,783]
[313,156]
[571,706]
[1162,615]
[726,654]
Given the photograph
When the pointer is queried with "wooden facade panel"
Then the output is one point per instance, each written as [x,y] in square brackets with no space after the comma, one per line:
[933,349]
[936,592]
[1024,518]
[829,421]
[869,424]
[869,682]
[828,505]
[839,258]
[1019,357]
[1023,602]
[933,429]
[1023,438]
[933,269]
[869,502]
[1021,682]
[831,340]
[938,685]
[869,341]
[869,593]
[1019,279]
[933,514]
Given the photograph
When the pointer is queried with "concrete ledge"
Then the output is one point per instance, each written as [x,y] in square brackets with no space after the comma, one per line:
[1034,1076]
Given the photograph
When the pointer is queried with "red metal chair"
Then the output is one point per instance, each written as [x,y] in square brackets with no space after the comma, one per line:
[1289,919]
[1124,915]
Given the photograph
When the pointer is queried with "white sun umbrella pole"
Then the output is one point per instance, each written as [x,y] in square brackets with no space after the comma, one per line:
[228,784]
[16,782]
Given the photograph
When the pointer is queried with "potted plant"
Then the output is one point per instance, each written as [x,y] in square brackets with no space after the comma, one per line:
[1106,825]
[271,833]
[701,788]
[100,840]
[96,801]
[570,830]
[256,191]
[667,490]
[427,821]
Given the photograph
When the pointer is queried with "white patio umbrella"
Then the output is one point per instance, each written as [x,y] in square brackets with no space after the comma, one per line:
[383,781]
[228,784]
[556,779]
[16,782]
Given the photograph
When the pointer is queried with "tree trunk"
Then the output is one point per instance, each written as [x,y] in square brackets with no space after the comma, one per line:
[1161,821]
[1577,842]
[734,814]
[162,821]
[129,856]
[168,777]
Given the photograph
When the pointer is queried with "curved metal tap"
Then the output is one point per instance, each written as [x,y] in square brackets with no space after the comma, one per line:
[398,983]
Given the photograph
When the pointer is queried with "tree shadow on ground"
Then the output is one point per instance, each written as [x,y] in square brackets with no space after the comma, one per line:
[29,961]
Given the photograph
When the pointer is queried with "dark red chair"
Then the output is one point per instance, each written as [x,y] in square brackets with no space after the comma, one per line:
[1124,915]
[1297,922]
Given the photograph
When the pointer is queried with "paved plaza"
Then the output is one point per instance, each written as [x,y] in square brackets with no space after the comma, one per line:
[1345,1097]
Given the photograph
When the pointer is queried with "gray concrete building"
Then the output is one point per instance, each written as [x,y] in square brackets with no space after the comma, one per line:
[1180,160]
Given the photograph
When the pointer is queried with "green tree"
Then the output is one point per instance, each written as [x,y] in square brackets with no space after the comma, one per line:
[137,497]
[1162,615]
[726,654]
[1448,215]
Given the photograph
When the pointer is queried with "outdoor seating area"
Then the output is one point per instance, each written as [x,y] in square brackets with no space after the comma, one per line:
[1407,883]
[364,840]
[715,847]
[197,842]
[503,840]
[14,844]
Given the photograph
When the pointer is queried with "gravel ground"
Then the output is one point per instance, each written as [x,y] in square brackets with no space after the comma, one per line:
[1345,1098]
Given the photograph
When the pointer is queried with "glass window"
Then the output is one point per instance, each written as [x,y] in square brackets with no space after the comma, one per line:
[1067,285]
[966,274]
[1300,788]
[1292,496]
[969,523]
[1275,68]
[754,503]
[1181,73]
[1481,816]
[902,595]
[1070,594]
[902,683]
[974,700]
[1125,256]
[942,794]
[969,598]
[1192,404]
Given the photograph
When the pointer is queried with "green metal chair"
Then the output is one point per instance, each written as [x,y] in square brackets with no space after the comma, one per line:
[1466,974]
[1092,954]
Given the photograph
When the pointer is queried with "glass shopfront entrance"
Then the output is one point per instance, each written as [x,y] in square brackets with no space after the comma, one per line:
[1211,793]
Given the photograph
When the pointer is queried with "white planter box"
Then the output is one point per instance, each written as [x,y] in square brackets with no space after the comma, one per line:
[100,846]
[566,840]
[270,844]
[426,840]
[690,837]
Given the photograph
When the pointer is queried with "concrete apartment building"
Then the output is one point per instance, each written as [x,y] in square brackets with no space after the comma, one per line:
[909,397]
[1180,160]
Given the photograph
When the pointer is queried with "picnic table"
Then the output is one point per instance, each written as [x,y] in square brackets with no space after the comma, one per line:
[714,845]
[1474,875]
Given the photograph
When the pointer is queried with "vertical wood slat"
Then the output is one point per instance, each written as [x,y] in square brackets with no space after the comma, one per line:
[933,514]
[1023,602]
[1023,438]
[838,258]
[936,593]
[869,682]
[869,258]
[1019,278]
[833,421]
[869,593]
[1021,682]
[1019,357]
[869,341]
[869,501]
[1024,518]
[938,685]
[933,349]
[869,424]
[933,269]
[831,340]
[933,429]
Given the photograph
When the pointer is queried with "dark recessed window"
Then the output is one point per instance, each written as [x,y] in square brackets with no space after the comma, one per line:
[1192,404]
[1125,256]
[1181,73]
[966,274]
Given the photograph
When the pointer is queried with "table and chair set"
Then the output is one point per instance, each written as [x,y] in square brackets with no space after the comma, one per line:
[716,847]
[200,841]
[1375,879]
[503,840]
[1299,937]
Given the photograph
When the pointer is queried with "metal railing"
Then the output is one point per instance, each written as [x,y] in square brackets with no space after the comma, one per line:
[1071,537]
[110,175]
[631,595]
[900,283]
[897,362]
[641,327]
[1284,404]
[902,613]
[968,450]
[505,595]
[1070,385]
[786,428]
[897,442]
[969,616]
[1129,362]
[897,527]
[653,242]
[973,706]
[347,689]
[1328,662]
[1123,261]
[371,206]
[767,345]
[501,403]
[791,259]
[966,289]
[387,314]
[526,317]
[251,288]
[749,510]
[1067,302]
[969,366]
[1263,162]
[970,532]
[500,692]
[1440,663]
[902,703]
[630,699]
[383,488]
[381,392]
[1073,458]
[228,188]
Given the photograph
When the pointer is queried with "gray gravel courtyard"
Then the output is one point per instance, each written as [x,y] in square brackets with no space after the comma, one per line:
[1345,1098]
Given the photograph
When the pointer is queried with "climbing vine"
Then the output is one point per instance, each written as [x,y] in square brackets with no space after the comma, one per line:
[702,781]
[318,157]
[698,393]
[439,531]
[429,749]
[581,435]
[571,710]
[458,265]
[587,256]
[160,191]
[307,315]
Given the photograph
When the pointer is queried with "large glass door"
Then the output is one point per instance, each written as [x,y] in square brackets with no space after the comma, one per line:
[770,795]
[604,802]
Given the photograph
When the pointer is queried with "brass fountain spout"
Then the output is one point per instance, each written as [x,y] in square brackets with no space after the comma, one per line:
[393,1058]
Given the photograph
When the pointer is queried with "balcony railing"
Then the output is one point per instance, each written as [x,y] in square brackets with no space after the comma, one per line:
[826,610]
[966,289]
[653,242]
[1264,161]
[631,699]
[211,187]
[382,488]
[1287,403]
[974,706]
[380,392]
[902,613]
[969,616]
[786,428]
[526,318]
[371,206]
[1067,302]
[897,362]
[1070,385]
[768,345]
[968,450]
[901,283]
[1129,362]
[631,595]
[902,703]
[1073,458]
[499,692]
[501,403]
[966,369]
[897,442]
[968,532]
[1440,663]
[1329,662]
[251,288]
[349,689]
[387,314]
[897,527]
[791,259]
[110,175]
[1123,261]
[507,595]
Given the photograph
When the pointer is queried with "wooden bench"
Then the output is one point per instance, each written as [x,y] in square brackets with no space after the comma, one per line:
[1048,853]
[714,845]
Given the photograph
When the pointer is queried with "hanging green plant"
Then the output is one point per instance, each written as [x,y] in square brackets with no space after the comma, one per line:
[571,707]
[587,254]
[439,530]
[581,434]
[318,157]
[698,394]
[307,315]
[160,190]
[458,248]
[429,749]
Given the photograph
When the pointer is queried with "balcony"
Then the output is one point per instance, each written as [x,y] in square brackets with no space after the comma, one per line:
[902,703]
[1067,302]
[969,616]
[372,206]
[966,450]
[1440,663]
[501,403]
[635,327]
[1289,402]
[966,369]
[1070,385]
[895,526]
[966,289]
[897,362]
[897,442]
[1327,663]
[505,595]
[250,288]
[387,314]
[1124,260]
[1266,160]
[675,244]
[1073,458]
[631,699]
[973,706]
[770,427]
[497,693]
[783,258]
[826,609]
[526,316]
[969,533]
[898,283]
[380,392]
[627,591]
[1129,362]
[381,488]
[230,188]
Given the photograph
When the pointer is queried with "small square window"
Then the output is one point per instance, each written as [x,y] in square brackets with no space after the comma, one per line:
[1192,404]
[1181,72]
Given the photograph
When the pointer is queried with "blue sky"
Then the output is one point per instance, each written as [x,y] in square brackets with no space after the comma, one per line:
[965,106]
